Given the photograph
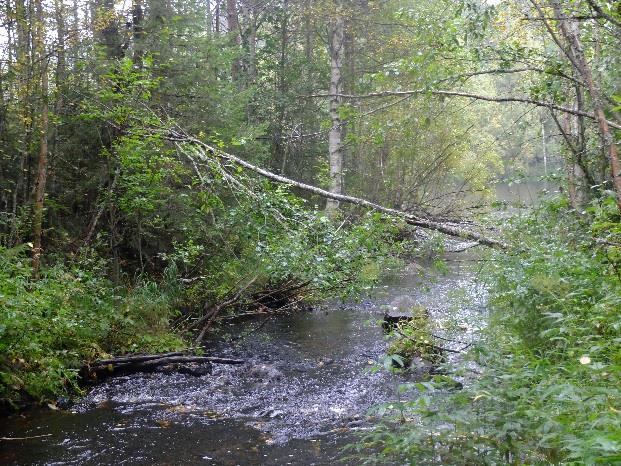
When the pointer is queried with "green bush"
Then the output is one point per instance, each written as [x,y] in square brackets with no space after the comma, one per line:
[550,363]
[414,339]
[50,327]
[270,236]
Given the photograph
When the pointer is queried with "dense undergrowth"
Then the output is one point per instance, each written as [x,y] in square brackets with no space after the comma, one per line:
[49,328]
[74,313]
[545,389]
[182,236]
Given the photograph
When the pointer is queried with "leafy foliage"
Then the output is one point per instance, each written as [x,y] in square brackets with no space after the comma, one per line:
[49,328]
[413,339]
[550,366]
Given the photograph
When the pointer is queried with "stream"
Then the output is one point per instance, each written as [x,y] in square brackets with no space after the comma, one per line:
[302,395]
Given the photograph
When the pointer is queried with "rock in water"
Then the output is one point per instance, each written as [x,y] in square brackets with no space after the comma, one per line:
[402,309]
[265,372]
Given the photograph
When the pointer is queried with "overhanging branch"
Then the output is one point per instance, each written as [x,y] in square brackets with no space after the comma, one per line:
[467,95]
[442,227]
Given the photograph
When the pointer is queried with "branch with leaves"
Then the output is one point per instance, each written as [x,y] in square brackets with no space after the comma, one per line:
[207,151]
[468,95]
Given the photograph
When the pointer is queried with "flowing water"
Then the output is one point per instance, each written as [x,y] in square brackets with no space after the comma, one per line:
[305,390]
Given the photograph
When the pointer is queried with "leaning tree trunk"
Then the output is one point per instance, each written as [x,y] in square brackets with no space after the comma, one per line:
[581,64]
[335,136]
[204,151]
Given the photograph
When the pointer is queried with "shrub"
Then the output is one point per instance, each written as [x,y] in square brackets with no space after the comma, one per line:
[548,391]
[50,327]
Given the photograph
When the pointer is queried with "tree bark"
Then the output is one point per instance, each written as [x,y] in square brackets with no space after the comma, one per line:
[138,31]
[60,79]
[280,149]
[572,36]
[126,365]
[233,29]
[216,26]
[249,15]
[335,135]
[23,63]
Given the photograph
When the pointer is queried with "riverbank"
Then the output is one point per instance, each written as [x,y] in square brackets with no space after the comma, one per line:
[72,315]
[548,368]
[302,396]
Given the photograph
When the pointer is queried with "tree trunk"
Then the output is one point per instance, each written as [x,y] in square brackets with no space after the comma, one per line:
[250,14]
[206,151]
[233,29]
[138,32]
[572,37]
[335,136]
[308,32]
[43,129]
[175,362]
[280,148]
[61,87]
[108,35]
[23,65]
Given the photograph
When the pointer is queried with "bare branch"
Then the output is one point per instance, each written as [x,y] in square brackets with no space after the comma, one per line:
[467,95]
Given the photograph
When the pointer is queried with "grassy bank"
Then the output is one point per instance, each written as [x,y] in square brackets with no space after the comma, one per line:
[73,314]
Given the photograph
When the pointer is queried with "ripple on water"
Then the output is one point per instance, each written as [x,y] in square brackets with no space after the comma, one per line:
[306,378]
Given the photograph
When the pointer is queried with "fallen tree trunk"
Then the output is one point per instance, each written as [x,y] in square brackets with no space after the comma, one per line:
[165,362]
[137,358]
[442,227]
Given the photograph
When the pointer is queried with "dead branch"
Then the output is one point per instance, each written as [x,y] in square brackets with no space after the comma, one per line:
[165,358]
[126,365]
[211,315]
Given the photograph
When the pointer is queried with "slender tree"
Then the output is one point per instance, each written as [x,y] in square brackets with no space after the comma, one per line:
[576,54]
[335,136]
[41,180]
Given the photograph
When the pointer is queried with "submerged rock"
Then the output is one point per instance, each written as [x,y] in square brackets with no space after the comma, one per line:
[196,371]
[265,372]
[64,402]
[401,310]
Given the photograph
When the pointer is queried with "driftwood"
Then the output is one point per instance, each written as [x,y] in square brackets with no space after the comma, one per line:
[164,362]
[212,313]
[204,150]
